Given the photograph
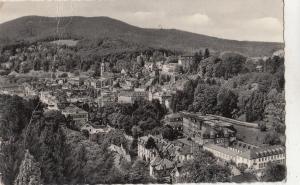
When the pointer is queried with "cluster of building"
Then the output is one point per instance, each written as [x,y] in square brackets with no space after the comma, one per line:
[165,158]
[68,93]
[206,133]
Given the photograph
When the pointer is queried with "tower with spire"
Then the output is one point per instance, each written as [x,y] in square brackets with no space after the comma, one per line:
[102,69]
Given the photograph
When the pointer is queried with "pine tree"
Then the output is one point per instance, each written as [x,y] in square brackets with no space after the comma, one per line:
[206,53]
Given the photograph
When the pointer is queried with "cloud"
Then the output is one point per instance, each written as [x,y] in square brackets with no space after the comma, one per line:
[233,19]
[260,29]
[267,23]
[197,19]
[148,14]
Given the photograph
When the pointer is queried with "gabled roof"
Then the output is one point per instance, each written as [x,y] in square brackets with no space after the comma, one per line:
[263,152]
[159,164]
[72,109]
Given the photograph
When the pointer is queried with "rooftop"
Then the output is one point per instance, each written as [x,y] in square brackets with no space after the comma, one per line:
[160,164]
[72,109]
[221,149]
[263,152]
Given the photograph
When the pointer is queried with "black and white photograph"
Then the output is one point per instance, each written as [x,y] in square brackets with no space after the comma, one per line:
[142,92]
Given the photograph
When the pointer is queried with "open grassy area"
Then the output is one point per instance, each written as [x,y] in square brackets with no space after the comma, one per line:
[250,135]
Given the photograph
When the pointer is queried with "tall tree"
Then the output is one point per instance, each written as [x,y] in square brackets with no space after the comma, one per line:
[227,102]
[204,168]
[232,64]
[206,53]
[30,172]
[255,106]
[205,99]
[46,141]
[275,172]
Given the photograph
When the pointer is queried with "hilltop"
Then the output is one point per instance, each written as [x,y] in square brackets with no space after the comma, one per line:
[35,28]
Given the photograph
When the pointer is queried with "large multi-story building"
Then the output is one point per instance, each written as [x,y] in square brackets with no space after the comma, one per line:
[174,120]
[102,82]
[203,129]
[255,158]
[18,90]
[106,98]
[164,98]
[77,114]
[131,96]
[169,68]
[185,61]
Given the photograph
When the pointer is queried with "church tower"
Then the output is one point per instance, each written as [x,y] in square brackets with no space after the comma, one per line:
[102,69]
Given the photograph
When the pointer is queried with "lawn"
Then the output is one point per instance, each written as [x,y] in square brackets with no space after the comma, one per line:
[250,135]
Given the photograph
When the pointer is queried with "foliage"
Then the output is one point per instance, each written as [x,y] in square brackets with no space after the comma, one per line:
[115,137]
[45,140]
[274,112]
[262,127]
[272,138]
[138,173]
[227,102]
[90,32]
[242,167]
[275,172]
[143,116]
[232,64]
[168,133]
[15,113]
[88,162]
[182,99]
[255,106]
[204,168]
[30,172]
[150,144]
[205,99]
[206,53]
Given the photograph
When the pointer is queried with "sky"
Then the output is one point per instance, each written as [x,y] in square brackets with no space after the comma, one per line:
[253,20]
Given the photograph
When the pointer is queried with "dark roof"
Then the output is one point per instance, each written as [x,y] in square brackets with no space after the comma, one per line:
[263,152]
[160,164]
[221,149]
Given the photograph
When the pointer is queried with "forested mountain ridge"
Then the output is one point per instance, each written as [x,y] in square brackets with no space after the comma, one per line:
[34,28]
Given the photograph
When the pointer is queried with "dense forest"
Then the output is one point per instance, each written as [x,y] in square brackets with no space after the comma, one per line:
[39,148]
[35,28]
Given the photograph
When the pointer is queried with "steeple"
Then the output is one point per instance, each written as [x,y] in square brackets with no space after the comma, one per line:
[102,69]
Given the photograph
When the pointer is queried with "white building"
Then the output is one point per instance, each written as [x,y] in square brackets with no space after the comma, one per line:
[92,130]
[255,158]
[49,99]
[164,98]
[169,68]
[131,96]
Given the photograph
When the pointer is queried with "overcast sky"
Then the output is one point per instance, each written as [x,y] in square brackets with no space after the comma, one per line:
[259,20]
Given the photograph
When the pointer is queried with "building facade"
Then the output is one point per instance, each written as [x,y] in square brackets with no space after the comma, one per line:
[77,114]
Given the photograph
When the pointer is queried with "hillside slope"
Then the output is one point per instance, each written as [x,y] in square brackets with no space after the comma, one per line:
[36,27]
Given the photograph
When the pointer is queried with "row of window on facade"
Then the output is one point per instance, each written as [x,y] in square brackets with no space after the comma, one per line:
[263,165]
[271,157]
